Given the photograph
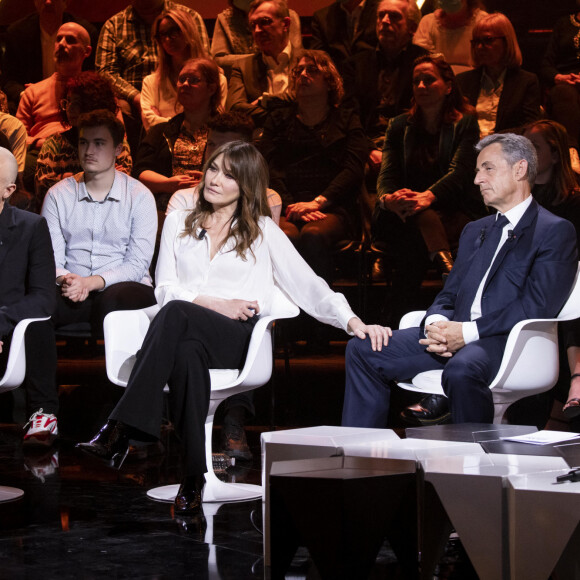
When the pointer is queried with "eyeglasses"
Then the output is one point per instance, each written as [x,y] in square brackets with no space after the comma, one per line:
[190,79]
[485,40]
[263,22]
[310,69]
[171,34]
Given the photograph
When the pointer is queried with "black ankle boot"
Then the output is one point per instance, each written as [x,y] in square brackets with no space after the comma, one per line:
[189,497]
[110,444]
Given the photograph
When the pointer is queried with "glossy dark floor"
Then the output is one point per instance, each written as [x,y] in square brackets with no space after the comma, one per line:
[79,519]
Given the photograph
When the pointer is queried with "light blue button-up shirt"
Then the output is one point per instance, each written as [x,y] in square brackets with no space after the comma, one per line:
[113,238]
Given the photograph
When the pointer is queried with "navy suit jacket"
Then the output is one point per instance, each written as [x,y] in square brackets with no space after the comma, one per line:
[531,277]
[27,270]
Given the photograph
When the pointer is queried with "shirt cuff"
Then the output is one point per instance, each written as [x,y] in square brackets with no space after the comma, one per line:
[469,331]
[433,318]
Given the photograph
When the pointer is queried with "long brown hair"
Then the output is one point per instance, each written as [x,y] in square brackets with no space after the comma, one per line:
[250,171]
[455,104]
[563,176]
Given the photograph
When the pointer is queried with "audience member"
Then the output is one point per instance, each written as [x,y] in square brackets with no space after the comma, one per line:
[127,53]
[170,157]
[425,192]
[224,128]
[58,158]
[560,71]
[498,279]
[27,291]
[203,322]
[316,151]
[232,37]
[380,79]
[557,190]
[258,77]
[177,41]
[448,31]
[15,133]
[344,28]
[29,55]
[505,96]
[39,108]
[103,225]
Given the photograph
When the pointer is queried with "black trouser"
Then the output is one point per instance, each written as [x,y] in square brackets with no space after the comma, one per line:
[316,240]
[183,342]
[40,350]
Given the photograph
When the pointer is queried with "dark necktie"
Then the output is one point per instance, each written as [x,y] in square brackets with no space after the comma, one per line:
[489,246]
[481,263]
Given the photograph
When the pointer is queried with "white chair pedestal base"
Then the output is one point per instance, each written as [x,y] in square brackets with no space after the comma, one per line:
[9,493]
[215,491]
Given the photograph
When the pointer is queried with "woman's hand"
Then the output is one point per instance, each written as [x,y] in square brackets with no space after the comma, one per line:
[173,184]
[313,216]
[234,308]
[379,335]
[406,202]
[296,211]
[569,79]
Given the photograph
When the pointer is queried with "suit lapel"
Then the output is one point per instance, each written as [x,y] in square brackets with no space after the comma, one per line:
[519,231]
[7,231]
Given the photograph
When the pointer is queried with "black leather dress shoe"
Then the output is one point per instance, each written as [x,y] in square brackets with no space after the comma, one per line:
[110,444]
[433,410]
[190,496]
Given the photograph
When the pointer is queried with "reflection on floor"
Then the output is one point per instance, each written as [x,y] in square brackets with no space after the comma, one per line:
[79,519]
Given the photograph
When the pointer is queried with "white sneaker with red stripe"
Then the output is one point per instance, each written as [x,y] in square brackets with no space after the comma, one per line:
[43,429]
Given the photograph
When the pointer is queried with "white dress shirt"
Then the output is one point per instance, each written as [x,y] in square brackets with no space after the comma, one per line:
[278,70]
[185,271]
[469,329]
[113,238]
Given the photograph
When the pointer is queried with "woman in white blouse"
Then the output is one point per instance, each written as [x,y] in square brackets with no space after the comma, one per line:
[217,268]
[175,34]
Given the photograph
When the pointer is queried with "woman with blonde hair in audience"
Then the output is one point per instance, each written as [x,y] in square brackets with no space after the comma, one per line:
[504,95]
[177,39]
[217,269]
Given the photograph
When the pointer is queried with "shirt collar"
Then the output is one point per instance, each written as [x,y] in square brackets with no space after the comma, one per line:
[514,215]
[486,80]
[283,58]
[83,194]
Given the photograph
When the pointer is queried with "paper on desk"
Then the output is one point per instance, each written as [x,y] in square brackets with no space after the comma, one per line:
[543,437]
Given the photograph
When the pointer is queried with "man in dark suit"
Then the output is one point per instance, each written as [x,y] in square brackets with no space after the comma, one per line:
[344,28]
[30,46]
[519,263]
[27,291]
[257,77]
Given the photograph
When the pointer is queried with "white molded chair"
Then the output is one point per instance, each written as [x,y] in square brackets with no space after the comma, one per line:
[13,378]
[530,361]
[124,334]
